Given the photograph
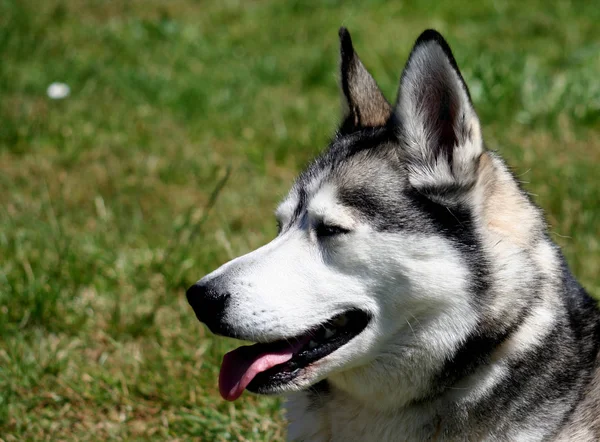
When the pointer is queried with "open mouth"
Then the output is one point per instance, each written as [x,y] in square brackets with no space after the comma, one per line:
[261,368]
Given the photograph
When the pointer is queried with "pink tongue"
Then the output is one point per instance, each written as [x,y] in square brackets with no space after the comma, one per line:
[240,366]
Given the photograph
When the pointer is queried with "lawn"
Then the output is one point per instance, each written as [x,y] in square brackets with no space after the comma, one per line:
[186,123]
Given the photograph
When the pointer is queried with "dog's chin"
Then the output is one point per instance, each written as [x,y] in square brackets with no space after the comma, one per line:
[299,359]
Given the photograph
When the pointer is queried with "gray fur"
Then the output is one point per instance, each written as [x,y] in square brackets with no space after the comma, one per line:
[365,105]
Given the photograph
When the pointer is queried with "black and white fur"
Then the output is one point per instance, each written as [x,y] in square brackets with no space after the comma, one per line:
[478,329]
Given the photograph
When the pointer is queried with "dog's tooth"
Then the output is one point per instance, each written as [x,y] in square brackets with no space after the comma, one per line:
[329,333]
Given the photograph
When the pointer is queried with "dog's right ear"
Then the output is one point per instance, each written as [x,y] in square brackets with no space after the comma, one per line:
[365,104]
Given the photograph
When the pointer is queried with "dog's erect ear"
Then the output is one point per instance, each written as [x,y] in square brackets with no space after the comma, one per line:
[366,105]
[439,127]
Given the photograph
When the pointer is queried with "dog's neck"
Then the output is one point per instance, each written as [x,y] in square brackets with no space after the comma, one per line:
[329,414]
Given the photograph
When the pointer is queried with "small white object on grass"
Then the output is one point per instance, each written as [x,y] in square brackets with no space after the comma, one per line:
[58,91]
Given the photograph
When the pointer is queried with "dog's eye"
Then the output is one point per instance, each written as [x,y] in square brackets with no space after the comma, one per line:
[324,230]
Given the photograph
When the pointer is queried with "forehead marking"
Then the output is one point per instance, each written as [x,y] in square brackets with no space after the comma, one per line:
[341,150]
[307,187]
[327,207]
[323,201]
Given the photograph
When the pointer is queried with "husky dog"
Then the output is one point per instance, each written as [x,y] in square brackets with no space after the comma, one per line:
[412,292]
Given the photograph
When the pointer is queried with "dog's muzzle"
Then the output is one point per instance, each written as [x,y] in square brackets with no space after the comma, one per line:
[209,304]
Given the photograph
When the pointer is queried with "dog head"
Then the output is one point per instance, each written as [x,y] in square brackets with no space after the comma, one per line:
[378,251]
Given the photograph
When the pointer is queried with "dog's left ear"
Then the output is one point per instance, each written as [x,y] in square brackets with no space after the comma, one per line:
[365,104]
[438,124]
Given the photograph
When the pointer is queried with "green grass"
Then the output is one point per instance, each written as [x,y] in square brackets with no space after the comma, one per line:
[105,197]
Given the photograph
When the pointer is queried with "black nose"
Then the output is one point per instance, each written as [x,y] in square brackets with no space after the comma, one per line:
[209,305]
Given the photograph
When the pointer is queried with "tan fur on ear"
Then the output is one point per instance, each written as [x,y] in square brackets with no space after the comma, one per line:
[506,210]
